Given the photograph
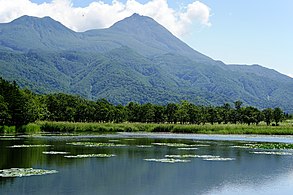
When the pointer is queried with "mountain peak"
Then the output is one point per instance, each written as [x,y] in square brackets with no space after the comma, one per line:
[39,23]
[32,19]
[135,23]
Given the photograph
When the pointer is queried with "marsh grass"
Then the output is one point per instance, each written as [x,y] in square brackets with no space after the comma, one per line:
[285,128]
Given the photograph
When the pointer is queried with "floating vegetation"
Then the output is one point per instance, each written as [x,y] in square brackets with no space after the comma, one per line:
[9,138]
[173,144]
[54,152]
[273,153]
[93,144]
[244,147]
[181,156]
[218,159]
[113,140]
[187,148]
[271,146]
[167,160]
[144,146]
[191,156]
[91,156]
[201,145]
[21,172]
[29,146]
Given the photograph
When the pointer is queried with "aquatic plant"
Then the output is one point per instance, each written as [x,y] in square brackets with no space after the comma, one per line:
[190,156]
[271,146]
[29,146]
[91,156]
[272,153]
[181,156]
[173,144]
[244,147]
[94,144]
[144,146]
[167,160]
[54,152]
[187,148]
[21,172]
[218,159]
[9,138]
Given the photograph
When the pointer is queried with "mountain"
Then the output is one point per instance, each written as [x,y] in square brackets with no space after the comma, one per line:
[136,59]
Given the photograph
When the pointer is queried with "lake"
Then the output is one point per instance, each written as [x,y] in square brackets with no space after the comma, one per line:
[144,164]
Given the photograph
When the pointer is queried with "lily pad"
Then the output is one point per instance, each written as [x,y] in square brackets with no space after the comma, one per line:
[244,147]
[21,172]
[181,156]
[173,144]
[201,145]
[144,146]
[167,160]
[273,153]
[218,159]
[114,140]
[129,139]
[54,152]
[187,148]
[29,146]
[94,144]
[91,156]
[9,138]
[190,156]
[271,146]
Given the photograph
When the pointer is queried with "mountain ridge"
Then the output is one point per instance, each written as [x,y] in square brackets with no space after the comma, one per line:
[123,64]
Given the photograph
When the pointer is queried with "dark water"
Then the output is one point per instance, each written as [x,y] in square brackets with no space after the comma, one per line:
[128,173]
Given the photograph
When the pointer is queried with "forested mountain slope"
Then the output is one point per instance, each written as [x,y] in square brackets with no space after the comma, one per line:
[136,59]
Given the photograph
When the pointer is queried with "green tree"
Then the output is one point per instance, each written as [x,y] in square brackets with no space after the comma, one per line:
[170,112]
[5,117]
[159,114]
[268,115]
[278,115]
[133,111]
[225,112]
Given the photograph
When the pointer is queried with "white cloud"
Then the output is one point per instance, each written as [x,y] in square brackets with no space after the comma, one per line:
[102,15]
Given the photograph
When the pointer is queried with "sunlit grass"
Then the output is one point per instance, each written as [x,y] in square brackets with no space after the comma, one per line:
[285,128]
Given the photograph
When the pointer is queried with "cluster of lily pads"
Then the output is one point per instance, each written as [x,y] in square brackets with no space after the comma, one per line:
[29,146]
[187,148]
[174,144]
[273,153]
[167,160]
[281,146]
[54,152]
[204,157]
[91,156]
[144,146]
[94,144]
[182,158]
[21,172]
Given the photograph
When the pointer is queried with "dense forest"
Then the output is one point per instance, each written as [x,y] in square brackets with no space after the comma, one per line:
[19,107]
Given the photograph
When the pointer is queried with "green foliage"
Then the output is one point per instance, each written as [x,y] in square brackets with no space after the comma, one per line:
[272,146]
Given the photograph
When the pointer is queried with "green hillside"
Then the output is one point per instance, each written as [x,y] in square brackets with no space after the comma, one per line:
[136,59]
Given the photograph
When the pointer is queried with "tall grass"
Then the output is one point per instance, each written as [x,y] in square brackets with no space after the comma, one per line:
[285,128]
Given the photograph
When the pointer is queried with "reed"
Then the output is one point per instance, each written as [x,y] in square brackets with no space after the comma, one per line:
[285,128]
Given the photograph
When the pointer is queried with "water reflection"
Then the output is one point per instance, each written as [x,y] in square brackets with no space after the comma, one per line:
[128,173]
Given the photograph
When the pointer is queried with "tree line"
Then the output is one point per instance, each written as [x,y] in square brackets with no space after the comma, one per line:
[19,107]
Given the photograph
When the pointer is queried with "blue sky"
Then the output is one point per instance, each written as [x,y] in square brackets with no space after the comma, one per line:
[237,32]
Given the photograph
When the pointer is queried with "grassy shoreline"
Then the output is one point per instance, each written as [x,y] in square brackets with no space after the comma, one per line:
[285,128]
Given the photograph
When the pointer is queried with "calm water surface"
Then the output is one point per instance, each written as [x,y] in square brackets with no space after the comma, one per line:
[129,173]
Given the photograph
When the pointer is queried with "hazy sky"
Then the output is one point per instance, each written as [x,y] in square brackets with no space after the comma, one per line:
[235,32]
